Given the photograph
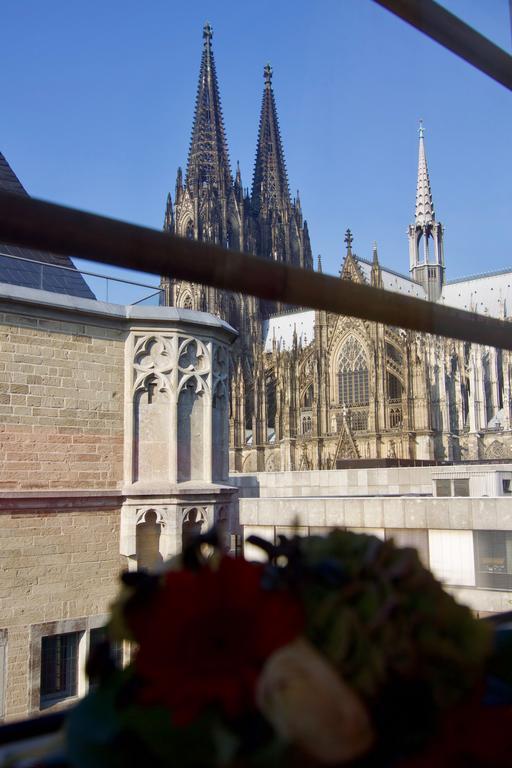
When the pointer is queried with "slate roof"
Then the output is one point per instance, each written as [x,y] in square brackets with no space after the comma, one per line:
[68,281]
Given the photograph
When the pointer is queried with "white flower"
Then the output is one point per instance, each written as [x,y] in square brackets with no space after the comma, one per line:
[309,705]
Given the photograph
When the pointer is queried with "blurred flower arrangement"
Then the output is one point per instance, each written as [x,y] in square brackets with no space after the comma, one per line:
[338,650]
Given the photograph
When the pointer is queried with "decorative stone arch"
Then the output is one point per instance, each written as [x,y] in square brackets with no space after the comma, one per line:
[273,463]
[185,300]
[249,462]
[307,395]
[496,450]
[148,532]
[194,521]
[186,225]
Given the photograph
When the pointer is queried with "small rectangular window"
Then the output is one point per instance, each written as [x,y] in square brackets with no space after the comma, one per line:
[59,667]
[461,487]
[506,486]
[443,487]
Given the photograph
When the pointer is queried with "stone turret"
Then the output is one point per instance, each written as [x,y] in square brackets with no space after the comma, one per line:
[426,234]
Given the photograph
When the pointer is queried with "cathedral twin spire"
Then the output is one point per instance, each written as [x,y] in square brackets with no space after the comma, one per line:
[270,190]
[211,205]
[208,159]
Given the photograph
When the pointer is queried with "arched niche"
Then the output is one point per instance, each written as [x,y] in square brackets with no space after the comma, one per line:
[194,523]
[191,437]
[147,538]
[152,432]
[220,433]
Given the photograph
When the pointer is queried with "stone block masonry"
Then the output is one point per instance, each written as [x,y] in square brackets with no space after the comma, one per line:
[113,446]
[61,404]
[59,561]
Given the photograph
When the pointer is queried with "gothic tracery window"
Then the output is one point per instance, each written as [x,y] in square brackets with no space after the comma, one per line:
[353,378]
[186,301]
[189,231]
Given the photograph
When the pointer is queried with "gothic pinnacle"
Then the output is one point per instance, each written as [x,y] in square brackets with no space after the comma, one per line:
[348,242]
[319,267]
[267,74]
[208,161]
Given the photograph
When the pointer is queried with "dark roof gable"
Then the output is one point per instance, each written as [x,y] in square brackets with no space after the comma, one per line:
[68,281]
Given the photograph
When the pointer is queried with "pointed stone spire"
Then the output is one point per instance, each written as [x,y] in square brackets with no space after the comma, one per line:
[424,205]
[376,273]
[426,250]
[208,160]
[179,185]
[270,182]
[169,215]
[319,266]
[375,255]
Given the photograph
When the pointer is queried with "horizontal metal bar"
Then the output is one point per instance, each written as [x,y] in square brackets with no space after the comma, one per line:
[34,223]
[451,32]
[82,271]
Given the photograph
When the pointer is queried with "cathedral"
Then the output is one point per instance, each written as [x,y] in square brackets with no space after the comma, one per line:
[312,389]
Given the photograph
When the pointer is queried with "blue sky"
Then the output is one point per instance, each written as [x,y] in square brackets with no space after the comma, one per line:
[97,104]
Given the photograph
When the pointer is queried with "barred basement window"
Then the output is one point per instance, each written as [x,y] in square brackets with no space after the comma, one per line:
[59,667]
[493,559]
[353,379]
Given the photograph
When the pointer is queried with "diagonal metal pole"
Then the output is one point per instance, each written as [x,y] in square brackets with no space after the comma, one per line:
[46,226]
[451,32]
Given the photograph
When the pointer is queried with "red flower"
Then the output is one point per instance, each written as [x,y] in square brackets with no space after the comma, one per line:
[205,636]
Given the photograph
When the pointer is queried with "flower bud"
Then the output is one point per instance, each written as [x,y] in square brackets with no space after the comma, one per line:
[309,705]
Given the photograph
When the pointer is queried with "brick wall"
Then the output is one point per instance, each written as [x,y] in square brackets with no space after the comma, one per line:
[55,566]
[61,404]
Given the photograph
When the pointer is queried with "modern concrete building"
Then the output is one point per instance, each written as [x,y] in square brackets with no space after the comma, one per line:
[459,517]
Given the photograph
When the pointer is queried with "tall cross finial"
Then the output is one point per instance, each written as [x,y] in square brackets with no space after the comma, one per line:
[207,33]
[349,240]
[421,130]
[267,74]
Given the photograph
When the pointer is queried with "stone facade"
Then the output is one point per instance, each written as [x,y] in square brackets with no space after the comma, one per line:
[114,449]
[312,389]
[60,566]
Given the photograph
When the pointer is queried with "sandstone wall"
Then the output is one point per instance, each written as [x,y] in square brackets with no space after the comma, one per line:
[60,564]
[61,403]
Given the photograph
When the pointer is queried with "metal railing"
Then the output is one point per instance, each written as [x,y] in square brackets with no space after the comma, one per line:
[117,290]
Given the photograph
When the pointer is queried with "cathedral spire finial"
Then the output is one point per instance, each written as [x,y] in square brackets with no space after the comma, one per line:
[348,242]
[207,33]
[270,182]
[208,160]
